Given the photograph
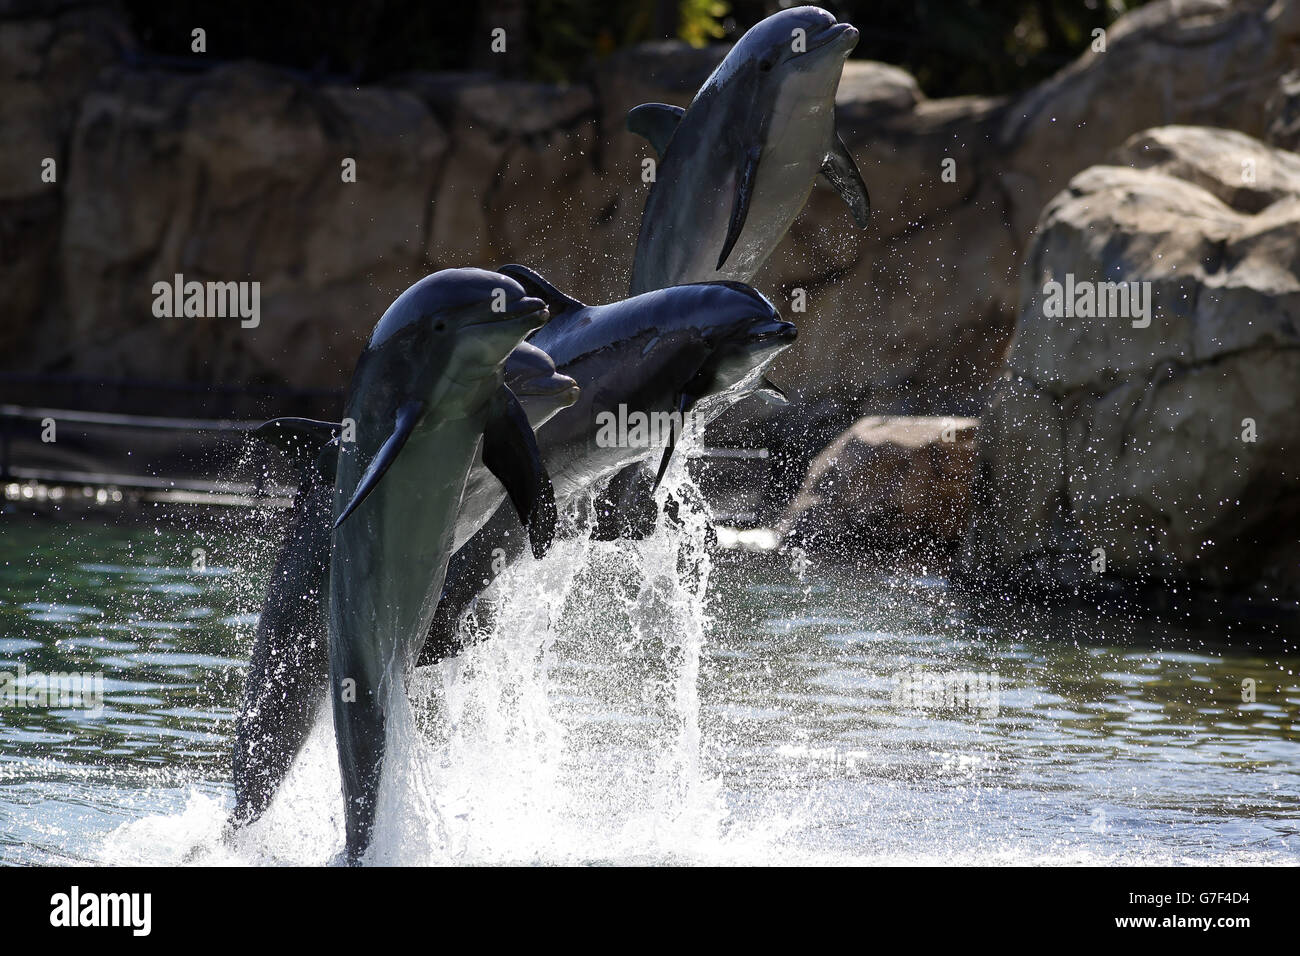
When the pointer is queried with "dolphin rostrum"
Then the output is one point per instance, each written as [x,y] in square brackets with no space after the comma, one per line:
[738,164]
[427,390]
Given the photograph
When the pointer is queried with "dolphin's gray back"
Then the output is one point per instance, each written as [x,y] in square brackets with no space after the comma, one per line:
[684,223]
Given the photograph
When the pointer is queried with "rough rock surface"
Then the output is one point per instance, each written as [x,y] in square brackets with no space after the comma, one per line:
[232,171]
[236,174]
[47,65]
[1169,450]
[1284,113]
[888,482]
[915,314]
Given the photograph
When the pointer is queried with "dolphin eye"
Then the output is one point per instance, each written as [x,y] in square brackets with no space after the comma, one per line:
[765,66]
[440,326]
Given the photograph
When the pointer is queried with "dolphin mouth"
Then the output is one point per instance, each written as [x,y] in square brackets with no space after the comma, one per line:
[565,393]
[527,307]
[772,331]
[833,33]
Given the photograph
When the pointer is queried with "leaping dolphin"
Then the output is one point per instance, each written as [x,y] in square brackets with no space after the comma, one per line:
[690,350]
[289,666]
[427,389]
[738,164]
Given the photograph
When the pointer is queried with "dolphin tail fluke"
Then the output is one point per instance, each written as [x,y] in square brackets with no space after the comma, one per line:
[302,439]
[656,123]
[740,209]
[842,173]
[556,301]
[407,416]
[510,452]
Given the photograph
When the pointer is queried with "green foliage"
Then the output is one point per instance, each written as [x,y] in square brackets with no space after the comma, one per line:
[700,21]
[952,46]
[956,47]
[565,35]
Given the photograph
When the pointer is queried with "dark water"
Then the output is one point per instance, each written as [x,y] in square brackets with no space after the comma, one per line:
[632,711]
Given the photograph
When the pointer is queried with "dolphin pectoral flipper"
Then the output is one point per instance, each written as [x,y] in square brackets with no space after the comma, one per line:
[656,123]
[842,173]
[556,301]
[510,452]
[407,415]
[684,403]
[740,209]
[772,393]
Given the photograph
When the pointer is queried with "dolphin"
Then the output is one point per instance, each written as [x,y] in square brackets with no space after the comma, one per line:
[427,390]
[738,164]
[289,667]
[694,350]
[285,683]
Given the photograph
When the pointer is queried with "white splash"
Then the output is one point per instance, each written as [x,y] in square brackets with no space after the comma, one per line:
[569,733]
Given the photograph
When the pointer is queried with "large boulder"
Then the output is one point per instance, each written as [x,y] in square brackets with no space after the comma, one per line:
[1157,443]
[887,483]
[915,313]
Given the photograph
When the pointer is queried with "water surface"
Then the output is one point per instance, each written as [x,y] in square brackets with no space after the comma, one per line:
[648,704]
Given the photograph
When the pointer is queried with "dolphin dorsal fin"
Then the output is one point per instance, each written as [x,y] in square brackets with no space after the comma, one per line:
[297,434]
[556,301]
[656,122]
[304,440]
[841,172]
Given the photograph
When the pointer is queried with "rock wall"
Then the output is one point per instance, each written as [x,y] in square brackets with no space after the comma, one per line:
[1157,443]
[233,172]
